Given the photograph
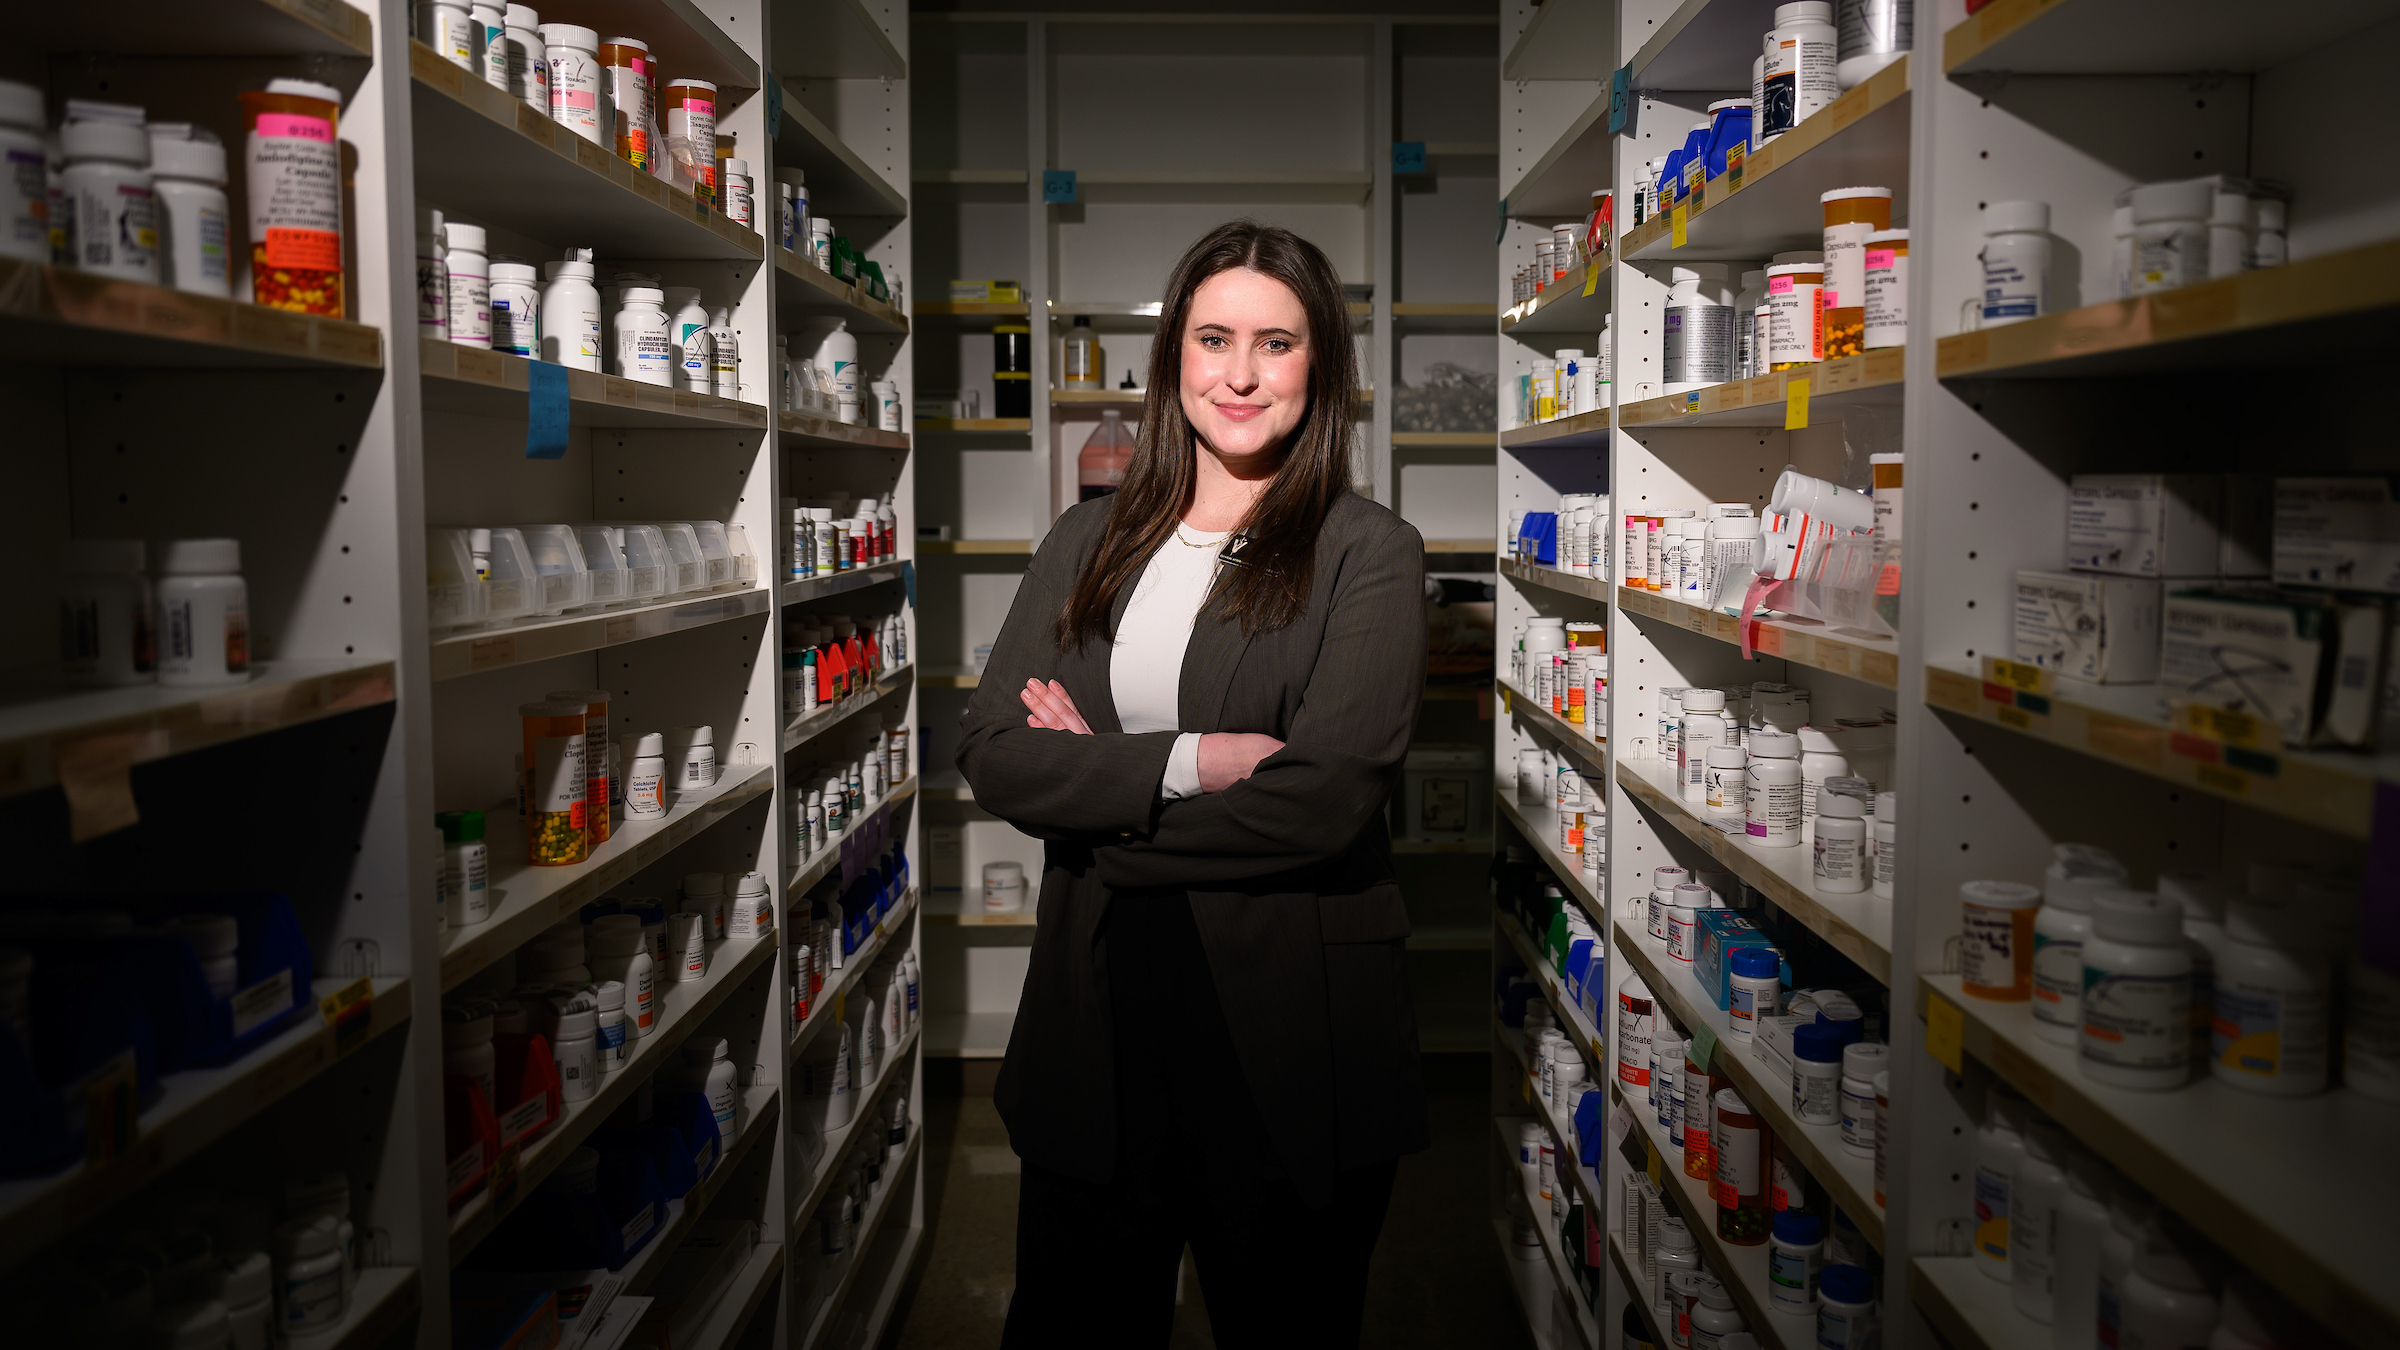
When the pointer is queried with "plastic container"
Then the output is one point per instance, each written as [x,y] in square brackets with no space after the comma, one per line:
[2137,993]
[554,792]
[570,310]
[644,352]
[24,196]
[527,57]
[1861,1062]
[308,1274]
[751,912]
[1725,783]
[2129,1214]
[1996,939]
[1700,346]
[620,952]
[1999,1148]
[2166,1299]
[2077,1226]
[470,279]
[448,28]
[1886,274]
[2170,234]
[2016,263]
[2271,998]
[203,614]
[1702,725]
[1678,1255]
[1802,73]
[2371,1031]
[1846,1314]
[1852,215]
[1757,990]
[466,864]
[1107,453]
[1795,1259]
[575,1046]
[1738,1151]
[2228,234]
[107,190]
[293,172]
[107,615]
[711,1074]
[2078,875]
[1885,834]
[1872,34]
[579,83]
[561,580]
[1795,315]
[631,71]
[691,135]
[1773,811]
[1839,836]
[516,309]
[724,352]
[704,895]
[2036,1191]
[716,550]
[646,779]
[1817,1073]
[187,167]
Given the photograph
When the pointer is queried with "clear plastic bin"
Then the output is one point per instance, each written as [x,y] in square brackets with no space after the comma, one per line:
[513,590]
[716,550]
[454,596]
[688,567]
[648,566]
[606,563]
[745,563]
[566,583]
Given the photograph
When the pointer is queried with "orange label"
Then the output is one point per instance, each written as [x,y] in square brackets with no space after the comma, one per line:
[308,250]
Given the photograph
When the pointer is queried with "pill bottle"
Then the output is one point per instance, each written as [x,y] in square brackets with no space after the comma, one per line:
[24,196]
[1700,345]
[1683,921]
[557,958]
[1726,782]
[1852,215]
[1677,1253]
[1839,838]
[704,895]
[1703,726]
[1845,1309]
[611,1035]
[1861,1062]
[1635,1013]
[1003,888]
[1756,990]
[1873,34]
[1817,1073]
[837,364]
[1738,1151]
[646,778]
[2270,994]
[691,118]
[2268,246]
[2165,1300]
[1667,1050]
[570,313]
[687,336]
[2129,1214]
[1883,1128]
[1730,559]
[1996,939]
[579,83]
[112,209]
[2036,1191]
[557,832]
[470,275]
[466,866]
[448,28]
[292,168]
[1795,315]
[187,167]
[1795,1256]
[887,405]
[751,913]
[739,193]
[2137,992]
[2077,1223]
[1820,758]
[724,354]
[527,57]
[2078,874]
[516,310]
[820,248]
[1773,809]
[2170,235]
[1714,1321]
[576,1047]
[628,66]
[1660,577]
[1885,833]
[1999,1148]
[643,352]
[687,944]
[2016,263]
[711,1073]
[2228,235]
[1530,1137]
[1886,270]
[203,614]
[621,952]
[308,1269]
[1801,70]
[105,615]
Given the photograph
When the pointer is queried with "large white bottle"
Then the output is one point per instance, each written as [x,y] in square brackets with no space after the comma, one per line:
[571,314]
[687,329]
[837,365]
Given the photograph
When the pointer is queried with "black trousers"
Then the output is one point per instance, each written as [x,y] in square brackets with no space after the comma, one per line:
[1096,1264]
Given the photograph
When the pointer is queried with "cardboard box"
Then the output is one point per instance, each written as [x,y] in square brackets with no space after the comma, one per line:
[2338,532]
[2310,666]
[2084,626]
[2144,524]
[1722,932]
[986,292]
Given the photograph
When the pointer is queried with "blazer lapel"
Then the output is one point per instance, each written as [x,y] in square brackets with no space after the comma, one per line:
[1097,656]
[1216,649]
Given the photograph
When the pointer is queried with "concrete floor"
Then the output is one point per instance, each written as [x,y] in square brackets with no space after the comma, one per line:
[1439,1278]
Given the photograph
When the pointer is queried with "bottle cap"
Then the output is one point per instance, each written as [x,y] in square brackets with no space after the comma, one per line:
[1727,756]
[460,235]
[580,38]
[695,736]
[740,166]
[642,295]
[1855,193]
[1767,743]
[2080,873]
[1815,742]
[1817,1042]
[186,155]
[1704,700]
[1865,1059]
[120,142]
[2202,894]
[2016,218]
[202,557]
[520,273]
[2137,916]
[1799,1227]
[1999,894]
[2155,202]
[703,885]
[1758,963]
[1845,1284]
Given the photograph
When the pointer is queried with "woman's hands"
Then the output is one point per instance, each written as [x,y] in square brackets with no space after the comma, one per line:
[1226,757]
[1048,707]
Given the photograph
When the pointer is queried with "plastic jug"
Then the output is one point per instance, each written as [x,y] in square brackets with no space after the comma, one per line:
[1100,468]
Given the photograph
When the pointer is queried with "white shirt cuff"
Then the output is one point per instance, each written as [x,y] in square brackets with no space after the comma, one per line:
[1182,778]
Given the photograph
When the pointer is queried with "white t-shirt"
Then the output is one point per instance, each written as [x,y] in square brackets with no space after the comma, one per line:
[1145,668]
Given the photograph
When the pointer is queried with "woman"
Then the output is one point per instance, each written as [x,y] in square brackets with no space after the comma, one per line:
[1201,700]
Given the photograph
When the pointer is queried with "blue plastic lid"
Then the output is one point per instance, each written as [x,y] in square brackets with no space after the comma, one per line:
[1760,962]
[1819,1042]
[1848,1028]
[1845,1284]
[1799,1227]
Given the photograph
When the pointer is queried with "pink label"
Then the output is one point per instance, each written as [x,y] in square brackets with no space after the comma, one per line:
[698,107]
[1779,286]
[1881,257]
[1830,298]
[293,124]
[584,99]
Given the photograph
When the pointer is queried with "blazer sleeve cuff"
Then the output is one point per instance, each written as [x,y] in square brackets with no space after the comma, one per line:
[1182,778]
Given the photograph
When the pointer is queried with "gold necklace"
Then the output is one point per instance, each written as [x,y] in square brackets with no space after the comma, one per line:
[1213,543]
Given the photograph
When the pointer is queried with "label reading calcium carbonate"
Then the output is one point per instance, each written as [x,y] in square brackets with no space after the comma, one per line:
[2137,1021]
[1991,1213]
[2268,1033]
[2057,980]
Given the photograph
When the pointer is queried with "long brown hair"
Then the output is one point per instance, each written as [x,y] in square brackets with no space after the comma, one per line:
[1271,587]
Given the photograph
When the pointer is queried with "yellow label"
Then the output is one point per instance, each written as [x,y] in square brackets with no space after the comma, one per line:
[1945,1032]
[2227,727]
[1591,277]
[1734,155]
[2013,717]
[1795,405]
[1676,225]
[1657,1170]
[2017,675]
[2216,778]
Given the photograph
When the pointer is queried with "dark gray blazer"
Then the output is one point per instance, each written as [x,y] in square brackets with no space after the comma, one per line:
[1288,873]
